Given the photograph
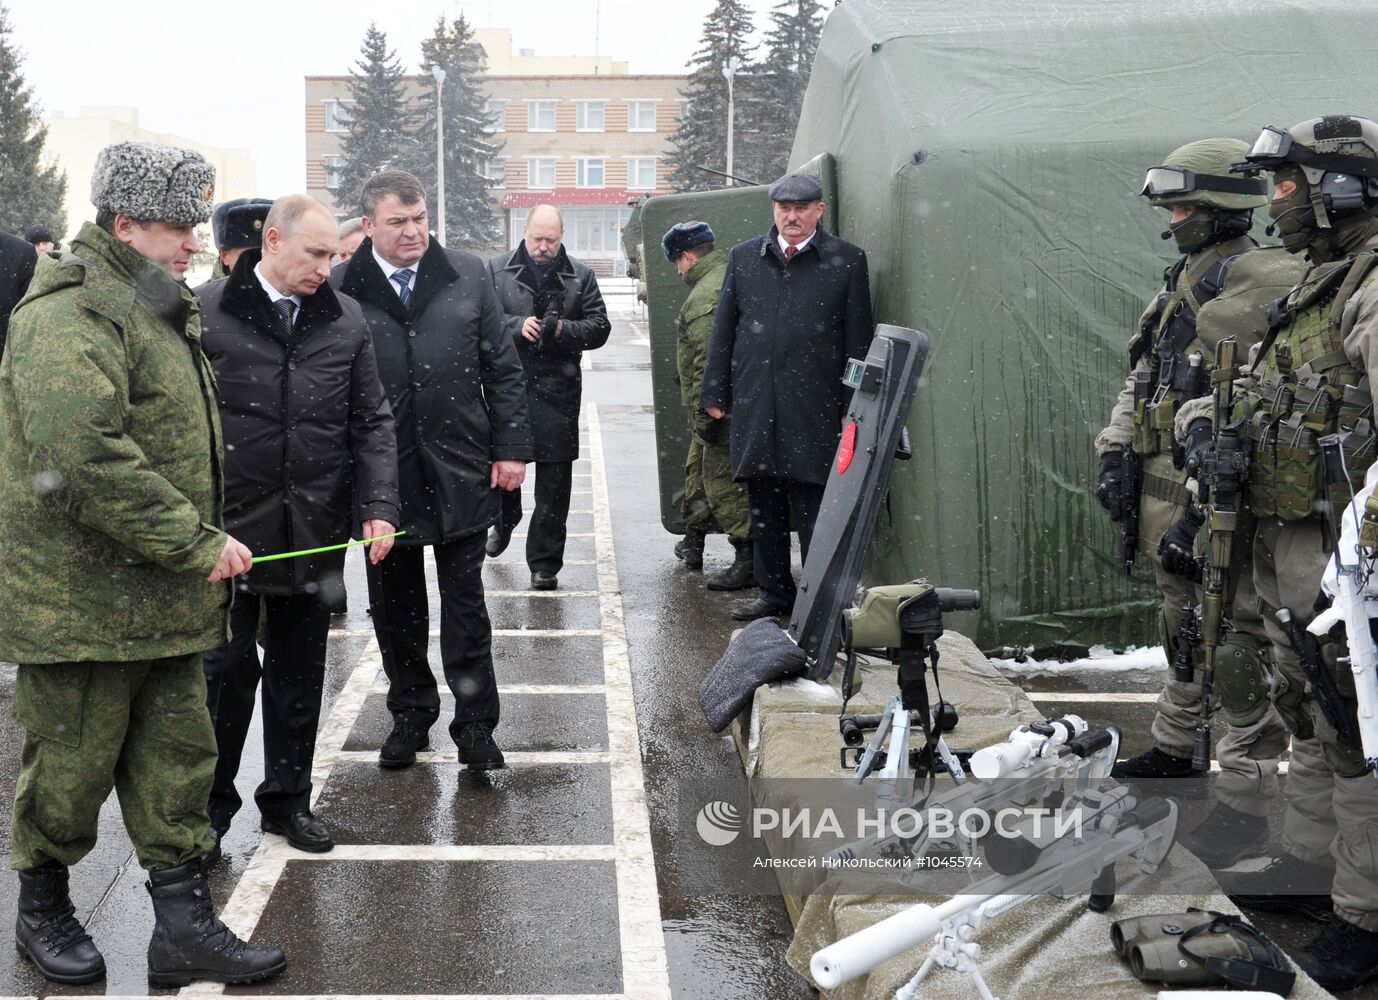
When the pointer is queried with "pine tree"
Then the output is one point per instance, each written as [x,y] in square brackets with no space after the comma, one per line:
[469,219]
[29,192]
[701,138]
[380,134]
[784,73]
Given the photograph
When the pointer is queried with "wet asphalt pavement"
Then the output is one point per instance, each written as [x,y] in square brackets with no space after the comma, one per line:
[548,878]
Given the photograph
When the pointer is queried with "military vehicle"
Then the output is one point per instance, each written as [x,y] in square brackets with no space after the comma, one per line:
[988,156]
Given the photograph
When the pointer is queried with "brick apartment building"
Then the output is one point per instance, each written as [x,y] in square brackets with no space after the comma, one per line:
[579,132]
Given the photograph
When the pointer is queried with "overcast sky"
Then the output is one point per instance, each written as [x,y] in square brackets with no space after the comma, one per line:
[229,72]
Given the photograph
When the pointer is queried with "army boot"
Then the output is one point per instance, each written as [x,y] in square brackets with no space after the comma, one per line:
[690,548]
[191,943]
[739,575]
[1155,764]
[1287,885]
[48,932]
[1226,837]
[1342,957]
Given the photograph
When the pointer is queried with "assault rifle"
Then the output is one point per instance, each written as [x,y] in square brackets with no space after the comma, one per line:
[1126,515]
[1108,827]
[1222,476]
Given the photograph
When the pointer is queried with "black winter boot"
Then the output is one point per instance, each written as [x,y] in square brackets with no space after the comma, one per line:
[690,548]
[48,932]
[477,749]
[1287,885]
[191,943]
[1227,836]
[1342,957]
[1155,764]
[740,575]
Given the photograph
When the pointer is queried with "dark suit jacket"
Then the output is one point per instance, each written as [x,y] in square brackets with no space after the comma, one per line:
[17,259]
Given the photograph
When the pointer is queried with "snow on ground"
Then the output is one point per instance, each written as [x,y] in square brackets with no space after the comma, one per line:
[1102,659]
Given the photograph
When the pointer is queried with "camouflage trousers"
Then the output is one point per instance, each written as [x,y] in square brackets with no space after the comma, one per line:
[1247,751]
[140,728]
[712,501]
[1332,801]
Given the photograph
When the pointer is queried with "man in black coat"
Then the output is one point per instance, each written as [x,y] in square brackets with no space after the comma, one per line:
[463,433]
[795,305]
[310,456]
[17,259]
[553,312]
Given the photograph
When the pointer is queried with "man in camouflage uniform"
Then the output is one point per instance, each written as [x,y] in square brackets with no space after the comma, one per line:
[118,573]
[712,501]
[1310,379]
[1219,288]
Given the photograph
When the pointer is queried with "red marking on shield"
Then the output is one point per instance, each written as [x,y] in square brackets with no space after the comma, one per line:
[848,448]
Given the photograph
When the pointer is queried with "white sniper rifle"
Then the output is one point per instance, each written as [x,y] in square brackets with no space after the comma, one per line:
[1109,826]
[1031,766]
[1353,605]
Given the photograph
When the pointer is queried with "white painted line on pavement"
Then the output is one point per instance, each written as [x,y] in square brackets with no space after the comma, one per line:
[522,757]
[508,633]
[645,971]
[555,853]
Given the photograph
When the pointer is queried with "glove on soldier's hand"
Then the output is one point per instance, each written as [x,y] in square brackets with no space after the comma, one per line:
[1177,549]
[1111,483]
[706,429]
[1194,449]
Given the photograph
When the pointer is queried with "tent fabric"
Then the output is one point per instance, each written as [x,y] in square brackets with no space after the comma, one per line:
[988,158]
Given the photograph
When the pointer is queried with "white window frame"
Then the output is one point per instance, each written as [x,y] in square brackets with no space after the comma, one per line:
[632,163]
[532,182]
[632,105]
[495,107]
[581,171]
[531,113]
[332,162]
[485,171]
[333,105]
[581,110]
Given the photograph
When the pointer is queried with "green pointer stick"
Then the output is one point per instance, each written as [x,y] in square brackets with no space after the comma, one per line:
[325,548]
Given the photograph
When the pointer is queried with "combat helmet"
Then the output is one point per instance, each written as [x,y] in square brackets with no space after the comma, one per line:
[1338,157]
[1199,174]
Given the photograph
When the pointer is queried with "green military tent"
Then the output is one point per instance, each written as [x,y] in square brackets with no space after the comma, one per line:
[988,155]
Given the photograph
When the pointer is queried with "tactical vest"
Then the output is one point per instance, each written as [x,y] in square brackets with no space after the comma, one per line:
[1167,335]
[1306,388]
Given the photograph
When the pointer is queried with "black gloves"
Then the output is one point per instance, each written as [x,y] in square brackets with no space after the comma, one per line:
[706,429]
[1177,549]
[1195,447]
[1111,483]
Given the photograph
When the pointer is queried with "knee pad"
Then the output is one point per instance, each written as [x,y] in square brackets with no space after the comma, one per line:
[1242,682]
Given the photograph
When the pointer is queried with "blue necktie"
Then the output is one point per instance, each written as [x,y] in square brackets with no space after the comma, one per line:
[403,279]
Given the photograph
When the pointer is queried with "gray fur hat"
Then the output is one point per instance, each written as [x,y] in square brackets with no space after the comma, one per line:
[153,183]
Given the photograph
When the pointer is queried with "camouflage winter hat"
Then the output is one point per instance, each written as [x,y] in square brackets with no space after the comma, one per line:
[153,183]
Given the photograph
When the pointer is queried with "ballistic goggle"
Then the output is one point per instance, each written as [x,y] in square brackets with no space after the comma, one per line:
[1174,182]
[1274,148]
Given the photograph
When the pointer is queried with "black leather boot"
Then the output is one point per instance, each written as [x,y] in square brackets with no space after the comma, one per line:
[48,932]
[690,548]
[191,943]
[1342,957]
[740,575]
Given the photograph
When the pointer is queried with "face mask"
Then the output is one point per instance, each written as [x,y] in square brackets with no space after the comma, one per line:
[1293,216]
[1193,232]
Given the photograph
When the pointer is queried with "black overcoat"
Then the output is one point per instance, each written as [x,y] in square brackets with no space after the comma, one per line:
[554,379]
[455,384]
[309,446]
[781,339]
[17,260]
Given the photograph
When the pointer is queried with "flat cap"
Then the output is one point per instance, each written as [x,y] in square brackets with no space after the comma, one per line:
[239,222]
[685,236]
[154,183]
[797,187]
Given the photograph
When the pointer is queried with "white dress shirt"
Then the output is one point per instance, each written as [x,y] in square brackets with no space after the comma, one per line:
[390,269]
[273,294]
[784,244]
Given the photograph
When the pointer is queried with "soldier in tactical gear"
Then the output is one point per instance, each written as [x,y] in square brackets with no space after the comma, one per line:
[1311,378]
[712,501]
[1219,288]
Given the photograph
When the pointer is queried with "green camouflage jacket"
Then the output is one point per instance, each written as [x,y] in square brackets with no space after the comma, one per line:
[705,280]
[110,465]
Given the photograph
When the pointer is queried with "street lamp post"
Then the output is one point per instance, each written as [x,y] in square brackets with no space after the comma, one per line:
[729,71]
[439,75]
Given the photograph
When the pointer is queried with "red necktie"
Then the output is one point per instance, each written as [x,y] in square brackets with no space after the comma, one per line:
[789,253]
